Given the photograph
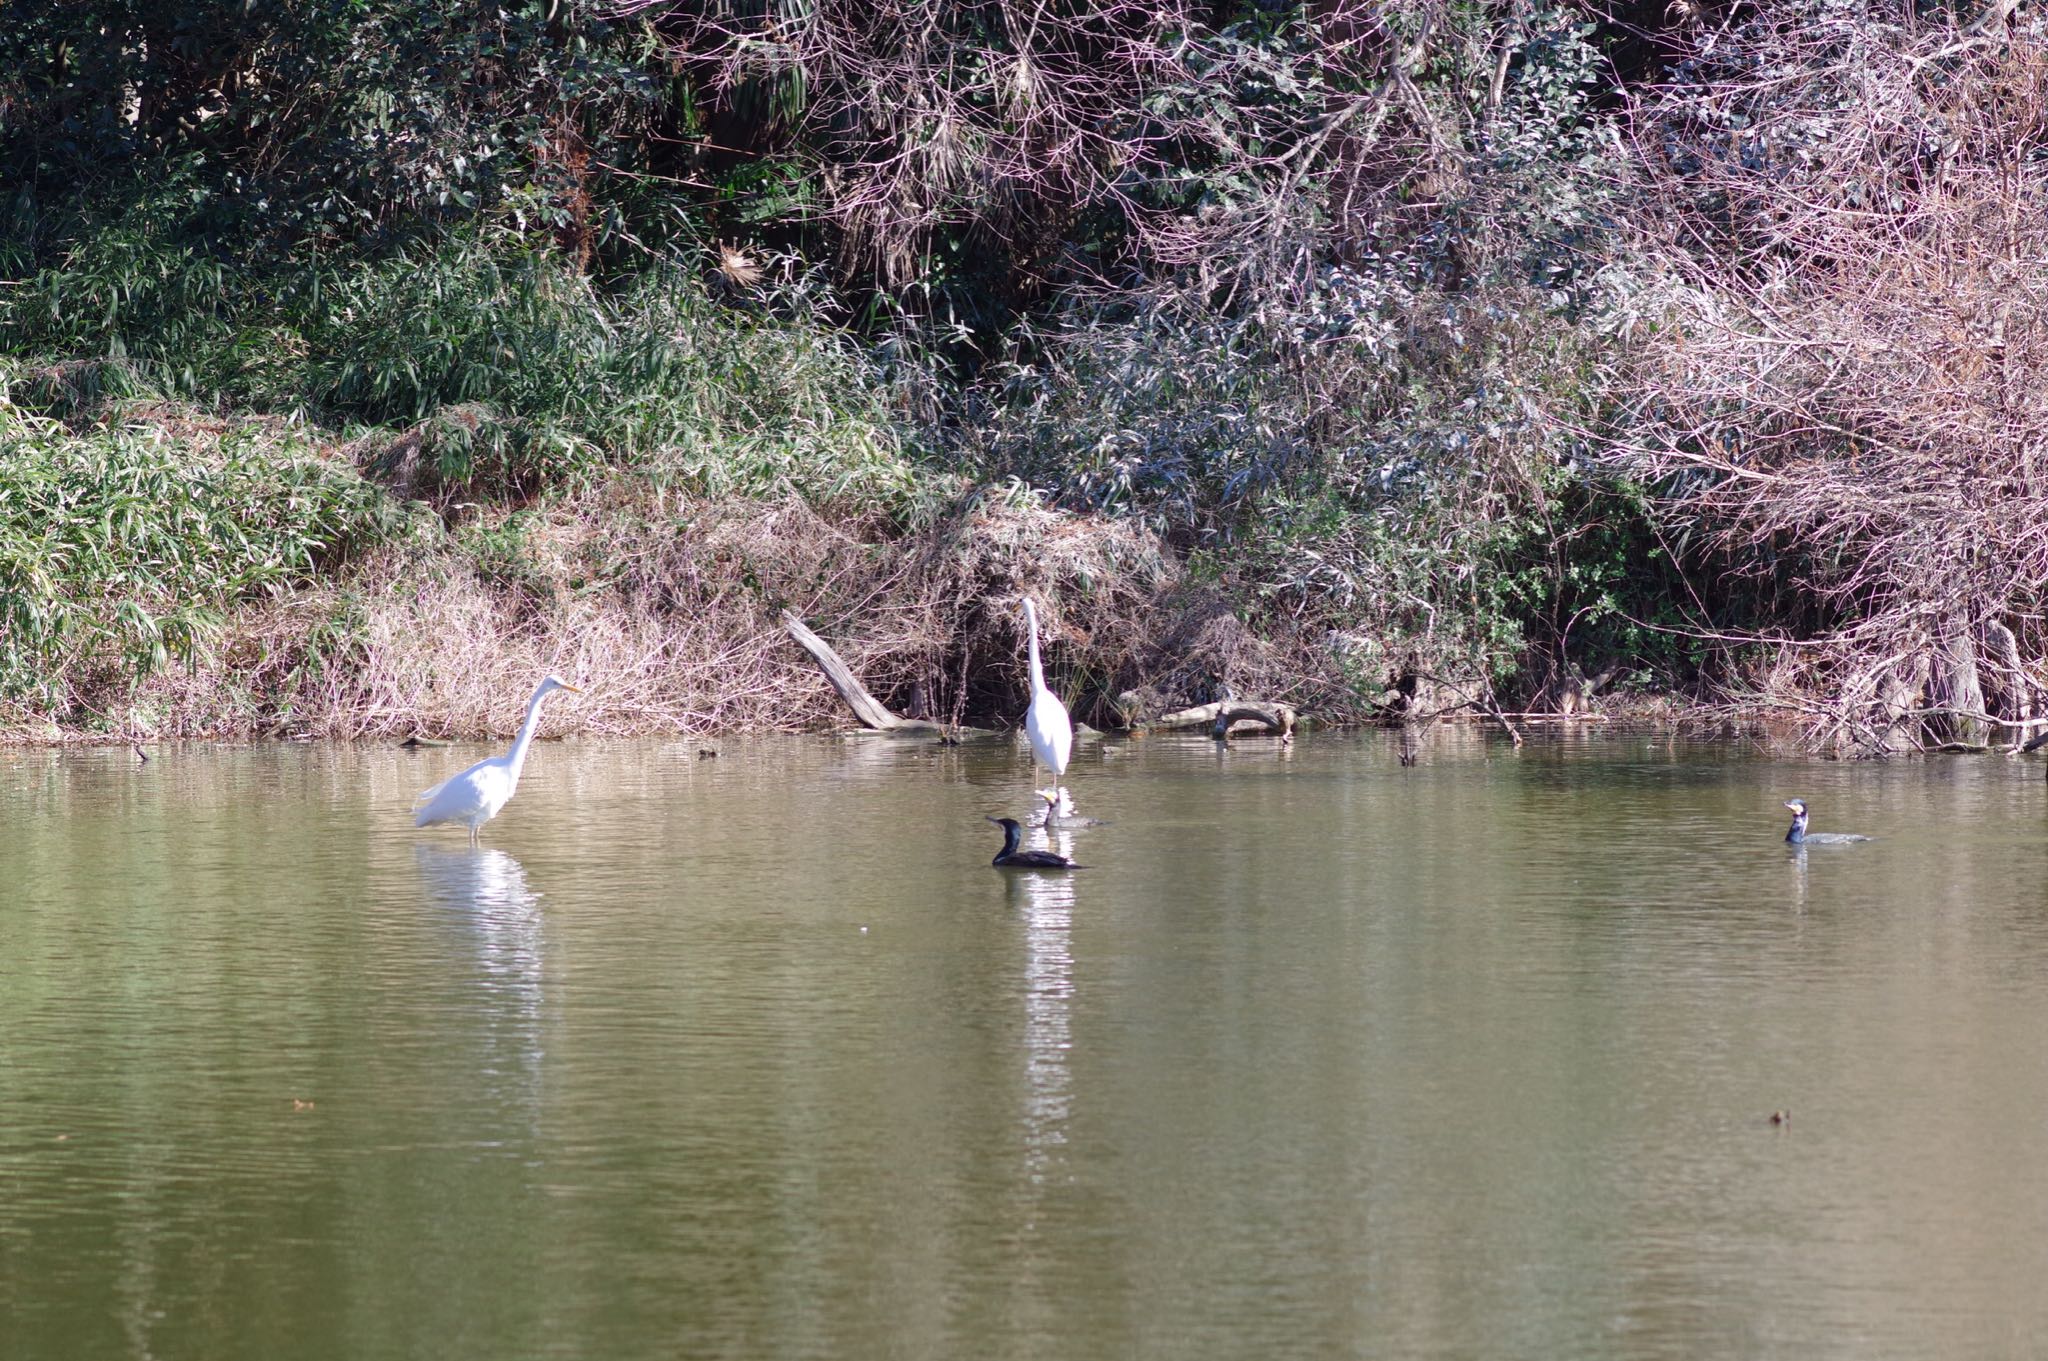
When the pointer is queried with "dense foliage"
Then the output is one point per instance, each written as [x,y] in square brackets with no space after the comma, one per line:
[1841,317]
[120,551]
[1430,343]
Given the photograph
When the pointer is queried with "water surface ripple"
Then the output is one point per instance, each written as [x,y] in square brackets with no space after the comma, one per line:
[755,1056]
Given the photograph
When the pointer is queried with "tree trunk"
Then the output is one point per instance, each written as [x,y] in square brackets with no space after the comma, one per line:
[2011,692]
[1958,689]
[1898,703]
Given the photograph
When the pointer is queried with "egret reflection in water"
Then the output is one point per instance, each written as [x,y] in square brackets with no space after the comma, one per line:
[501,913]
[484,897]
[1046,902]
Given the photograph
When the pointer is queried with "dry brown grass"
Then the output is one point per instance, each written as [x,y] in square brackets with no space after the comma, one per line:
[666,609]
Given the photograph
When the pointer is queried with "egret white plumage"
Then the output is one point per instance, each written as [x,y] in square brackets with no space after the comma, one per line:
[475,796]
[1046,722]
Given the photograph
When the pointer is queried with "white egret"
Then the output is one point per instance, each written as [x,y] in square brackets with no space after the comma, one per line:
[1046,722]
[476,795]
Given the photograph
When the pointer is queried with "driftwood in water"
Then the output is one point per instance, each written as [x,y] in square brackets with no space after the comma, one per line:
[1277,719]
[865,706]
[869,710]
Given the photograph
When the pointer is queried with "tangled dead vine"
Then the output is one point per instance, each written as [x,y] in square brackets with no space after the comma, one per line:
[1837,386]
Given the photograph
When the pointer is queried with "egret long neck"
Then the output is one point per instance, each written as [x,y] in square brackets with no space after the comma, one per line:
[517,756]
[1037,672]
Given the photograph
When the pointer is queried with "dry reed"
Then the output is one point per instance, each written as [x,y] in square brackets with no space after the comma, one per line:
[666,609]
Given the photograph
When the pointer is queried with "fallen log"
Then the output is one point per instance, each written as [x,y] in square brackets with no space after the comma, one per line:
[865,706]
[1277,719]
[870,711]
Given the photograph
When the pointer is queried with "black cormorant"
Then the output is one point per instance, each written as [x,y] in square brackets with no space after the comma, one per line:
[1010,858]
[1799,836]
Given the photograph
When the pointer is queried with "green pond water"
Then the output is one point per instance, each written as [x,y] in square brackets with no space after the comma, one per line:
[755,1056]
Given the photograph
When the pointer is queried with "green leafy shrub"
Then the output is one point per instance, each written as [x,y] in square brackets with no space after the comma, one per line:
[529,375]
[496,369]
[120,549]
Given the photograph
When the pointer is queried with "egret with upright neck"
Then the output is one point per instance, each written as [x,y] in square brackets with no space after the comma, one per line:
[475,796]
[1046,722]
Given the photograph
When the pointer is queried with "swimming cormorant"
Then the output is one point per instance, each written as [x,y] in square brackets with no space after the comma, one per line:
[1799,836]
[1010,858]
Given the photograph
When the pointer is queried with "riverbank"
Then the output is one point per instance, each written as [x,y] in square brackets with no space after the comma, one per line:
[371,526]
[1310,373]
[172,574]
[383,617]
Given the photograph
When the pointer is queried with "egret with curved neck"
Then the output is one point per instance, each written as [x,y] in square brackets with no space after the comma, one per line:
[475,796]
[1046,722]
